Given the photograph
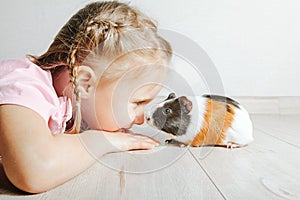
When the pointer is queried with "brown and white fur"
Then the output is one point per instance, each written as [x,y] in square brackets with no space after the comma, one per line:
[202,120]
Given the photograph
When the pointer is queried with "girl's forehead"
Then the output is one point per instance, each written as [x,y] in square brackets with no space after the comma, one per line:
[132,62]
[146,92]
[139,82]
[130,67]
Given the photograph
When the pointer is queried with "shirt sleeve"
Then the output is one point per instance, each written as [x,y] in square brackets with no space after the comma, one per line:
[26,84]
[28,94]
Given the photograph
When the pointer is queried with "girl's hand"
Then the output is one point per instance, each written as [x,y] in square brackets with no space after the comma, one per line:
[130,141]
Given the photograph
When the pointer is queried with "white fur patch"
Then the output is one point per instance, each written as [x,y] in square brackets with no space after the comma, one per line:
[241,130]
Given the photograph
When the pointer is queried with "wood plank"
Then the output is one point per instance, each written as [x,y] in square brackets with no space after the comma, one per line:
[98,182]
[163,173]
[155,176]
[283,127]
[266,169]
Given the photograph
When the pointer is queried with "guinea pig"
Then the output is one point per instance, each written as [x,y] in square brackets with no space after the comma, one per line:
[202,120]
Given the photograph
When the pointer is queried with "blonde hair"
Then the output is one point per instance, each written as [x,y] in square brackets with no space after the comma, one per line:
[106,29]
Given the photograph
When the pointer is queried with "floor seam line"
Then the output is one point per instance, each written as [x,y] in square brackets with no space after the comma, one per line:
[265,132]
[221,193]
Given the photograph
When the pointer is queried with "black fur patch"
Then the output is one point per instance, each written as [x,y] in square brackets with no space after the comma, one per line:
[171,96]
[172,118]
[223,99]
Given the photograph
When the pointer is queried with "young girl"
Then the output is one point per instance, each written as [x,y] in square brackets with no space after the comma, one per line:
[94,79]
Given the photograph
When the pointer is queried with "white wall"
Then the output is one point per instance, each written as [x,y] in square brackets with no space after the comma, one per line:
[255,44]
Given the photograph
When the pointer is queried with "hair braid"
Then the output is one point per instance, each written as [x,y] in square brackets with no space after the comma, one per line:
[74,81]
[91,33]
[75,57]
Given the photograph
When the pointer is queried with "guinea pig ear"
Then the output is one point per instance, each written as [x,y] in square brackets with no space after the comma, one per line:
[171,96]
[186,104]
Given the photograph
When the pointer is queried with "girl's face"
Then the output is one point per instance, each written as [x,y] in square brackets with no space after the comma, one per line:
[120,104]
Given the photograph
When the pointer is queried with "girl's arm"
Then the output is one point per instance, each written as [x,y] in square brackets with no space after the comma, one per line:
[35,160]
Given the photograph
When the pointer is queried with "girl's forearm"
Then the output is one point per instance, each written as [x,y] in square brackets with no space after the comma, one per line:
[61,158]
[69,155]
[35,160]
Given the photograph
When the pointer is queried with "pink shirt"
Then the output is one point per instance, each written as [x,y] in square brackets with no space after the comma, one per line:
[26,84]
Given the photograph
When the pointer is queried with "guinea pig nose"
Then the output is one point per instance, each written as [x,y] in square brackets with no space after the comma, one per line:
[147,118]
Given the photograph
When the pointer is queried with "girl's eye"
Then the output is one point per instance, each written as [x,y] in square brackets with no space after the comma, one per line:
[168,111]
[139,103]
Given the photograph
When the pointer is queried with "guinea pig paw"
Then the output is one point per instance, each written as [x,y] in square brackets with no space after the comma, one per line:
[168,141]
[175,143]
[232,145]
[182,145]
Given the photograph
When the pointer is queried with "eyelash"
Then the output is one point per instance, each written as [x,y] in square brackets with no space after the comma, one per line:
[140,102]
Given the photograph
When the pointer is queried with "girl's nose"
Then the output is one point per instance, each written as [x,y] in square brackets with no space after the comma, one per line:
[139,119]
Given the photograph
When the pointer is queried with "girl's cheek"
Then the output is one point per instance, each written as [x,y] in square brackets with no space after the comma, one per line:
[140,110]
[131,112]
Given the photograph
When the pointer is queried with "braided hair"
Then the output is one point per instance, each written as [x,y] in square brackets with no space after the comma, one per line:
[96,28]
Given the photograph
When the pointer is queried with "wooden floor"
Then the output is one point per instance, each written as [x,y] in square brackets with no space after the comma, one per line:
[269,168]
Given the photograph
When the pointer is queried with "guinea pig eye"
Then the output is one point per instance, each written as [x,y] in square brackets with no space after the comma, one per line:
[167,111]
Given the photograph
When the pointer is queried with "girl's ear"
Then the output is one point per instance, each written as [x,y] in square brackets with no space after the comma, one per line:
[86,81]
